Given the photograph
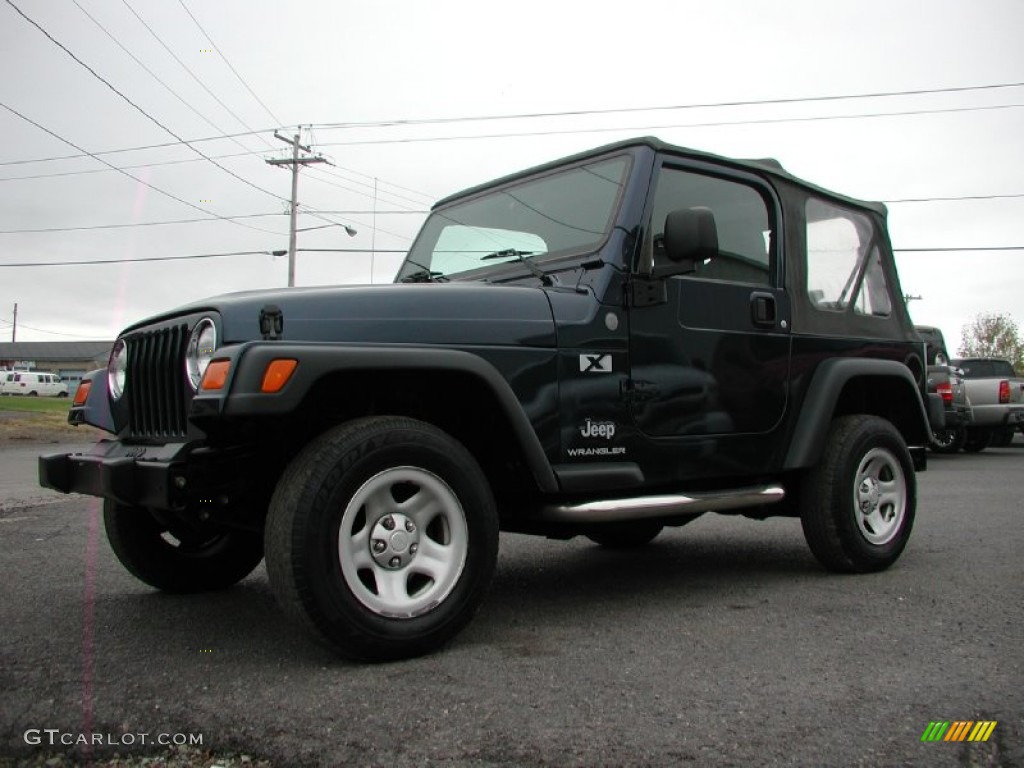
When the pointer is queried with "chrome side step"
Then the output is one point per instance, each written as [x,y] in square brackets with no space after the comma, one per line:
[669,505]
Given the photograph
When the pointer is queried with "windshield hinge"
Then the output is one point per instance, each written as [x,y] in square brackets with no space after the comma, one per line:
[647,292]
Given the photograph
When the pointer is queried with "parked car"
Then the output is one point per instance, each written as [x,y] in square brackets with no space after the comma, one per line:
[32,384]
[997,400]
[935,344]
[948,383]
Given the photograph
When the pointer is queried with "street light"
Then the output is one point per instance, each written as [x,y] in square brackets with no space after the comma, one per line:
[348,230]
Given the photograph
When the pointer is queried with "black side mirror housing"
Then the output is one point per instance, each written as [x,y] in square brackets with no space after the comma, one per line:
[691,237]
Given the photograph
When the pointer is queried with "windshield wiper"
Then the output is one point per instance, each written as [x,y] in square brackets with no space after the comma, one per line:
[512,253]
[423,275]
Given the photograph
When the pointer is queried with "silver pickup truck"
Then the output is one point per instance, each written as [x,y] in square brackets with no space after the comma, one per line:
[997,398]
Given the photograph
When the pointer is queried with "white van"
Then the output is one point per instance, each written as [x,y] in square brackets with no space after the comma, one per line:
[32,384]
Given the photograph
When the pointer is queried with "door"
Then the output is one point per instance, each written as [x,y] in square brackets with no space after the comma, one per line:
[712,358]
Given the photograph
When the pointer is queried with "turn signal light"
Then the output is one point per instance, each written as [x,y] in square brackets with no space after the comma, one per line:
[216,375]
[82,393]
[1004,391]
[277,375]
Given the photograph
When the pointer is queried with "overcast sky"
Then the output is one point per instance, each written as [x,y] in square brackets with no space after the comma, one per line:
[332,64]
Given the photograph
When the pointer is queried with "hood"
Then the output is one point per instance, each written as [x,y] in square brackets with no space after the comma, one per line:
[421,313]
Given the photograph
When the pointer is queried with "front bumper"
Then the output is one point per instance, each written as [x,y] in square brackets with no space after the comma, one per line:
[138,475]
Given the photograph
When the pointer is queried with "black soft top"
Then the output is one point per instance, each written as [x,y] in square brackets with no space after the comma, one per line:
[764,167]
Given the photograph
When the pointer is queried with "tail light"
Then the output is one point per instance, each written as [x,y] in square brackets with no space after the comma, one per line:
[945,390]
[1004,391]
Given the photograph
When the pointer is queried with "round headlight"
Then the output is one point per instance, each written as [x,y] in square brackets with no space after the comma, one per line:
[117,369]
[201,346]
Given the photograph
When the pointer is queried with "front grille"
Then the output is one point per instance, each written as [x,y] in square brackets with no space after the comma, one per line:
[155,384]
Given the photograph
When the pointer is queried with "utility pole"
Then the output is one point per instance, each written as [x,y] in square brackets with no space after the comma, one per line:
[14,328]
[294,161]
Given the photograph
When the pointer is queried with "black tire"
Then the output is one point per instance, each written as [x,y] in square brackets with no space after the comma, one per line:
[948,440]
[977,440]
[62,394]
[1002,437]
[174,557]
[865,462]
[356,487]
[625,535]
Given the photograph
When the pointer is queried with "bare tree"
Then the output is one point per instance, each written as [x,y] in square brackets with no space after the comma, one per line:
[993,335]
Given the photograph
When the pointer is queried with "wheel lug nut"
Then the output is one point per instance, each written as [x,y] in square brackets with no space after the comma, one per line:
[413,548]
[395,562]
[388,522]
[379,546]
[409,526]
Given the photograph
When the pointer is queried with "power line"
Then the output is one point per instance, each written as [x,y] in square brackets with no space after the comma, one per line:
[189,257]
[416,192]
[717,124]
[141,111]
[141,148]
[44,330]
[152,74]
[132,176]
[794,100]
[378,212]
[182,161]
[185,67]
[960,249]
[141,259]
[225,60]
[136,224]
[962,197]
[630,110]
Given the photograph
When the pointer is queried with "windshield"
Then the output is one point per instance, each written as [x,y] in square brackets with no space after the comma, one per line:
[563,212]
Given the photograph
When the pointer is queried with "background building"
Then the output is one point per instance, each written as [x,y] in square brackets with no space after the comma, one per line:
[68,359]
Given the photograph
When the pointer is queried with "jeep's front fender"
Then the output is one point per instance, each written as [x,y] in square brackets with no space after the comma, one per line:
[242,395]
[883,378]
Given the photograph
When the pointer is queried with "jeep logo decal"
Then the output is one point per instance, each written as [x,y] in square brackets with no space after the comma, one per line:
[602,429]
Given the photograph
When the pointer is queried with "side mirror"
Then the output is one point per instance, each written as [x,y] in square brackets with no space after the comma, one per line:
[691,237]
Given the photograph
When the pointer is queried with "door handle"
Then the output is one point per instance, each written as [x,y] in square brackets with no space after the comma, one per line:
[763,309]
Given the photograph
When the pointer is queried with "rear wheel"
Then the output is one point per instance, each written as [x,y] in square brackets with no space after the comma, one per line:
[857,506]
[1002,437]
[977,440]
[176,557]
[948,440]
[382,538]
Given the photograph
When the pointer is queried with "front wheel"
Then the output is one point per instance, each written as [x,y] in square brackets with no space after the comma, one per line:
[175,556]
[857,506]
[382,538]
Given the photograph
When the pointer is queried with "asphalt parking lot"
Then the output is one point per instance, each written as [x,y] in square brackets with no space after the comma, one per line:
[722,643]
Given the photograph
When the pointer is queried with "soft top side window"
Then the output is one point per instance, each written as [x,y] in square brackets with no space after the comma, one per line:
[844,264]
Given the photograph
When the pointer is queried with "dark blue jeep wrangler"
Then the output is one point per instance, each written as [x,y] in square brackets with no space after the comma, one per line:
[603,346]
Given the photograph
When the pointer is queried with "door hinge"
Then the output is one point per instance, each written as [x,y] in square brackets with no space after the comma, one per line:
[633,391]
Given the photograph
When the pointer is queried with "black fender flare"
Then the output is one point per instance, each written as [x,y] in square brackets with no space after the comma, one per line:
[242,395]
[819,405]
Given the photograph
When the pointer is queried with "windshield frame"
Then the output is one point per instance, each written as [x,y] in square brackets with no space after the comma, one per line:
[419,253]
